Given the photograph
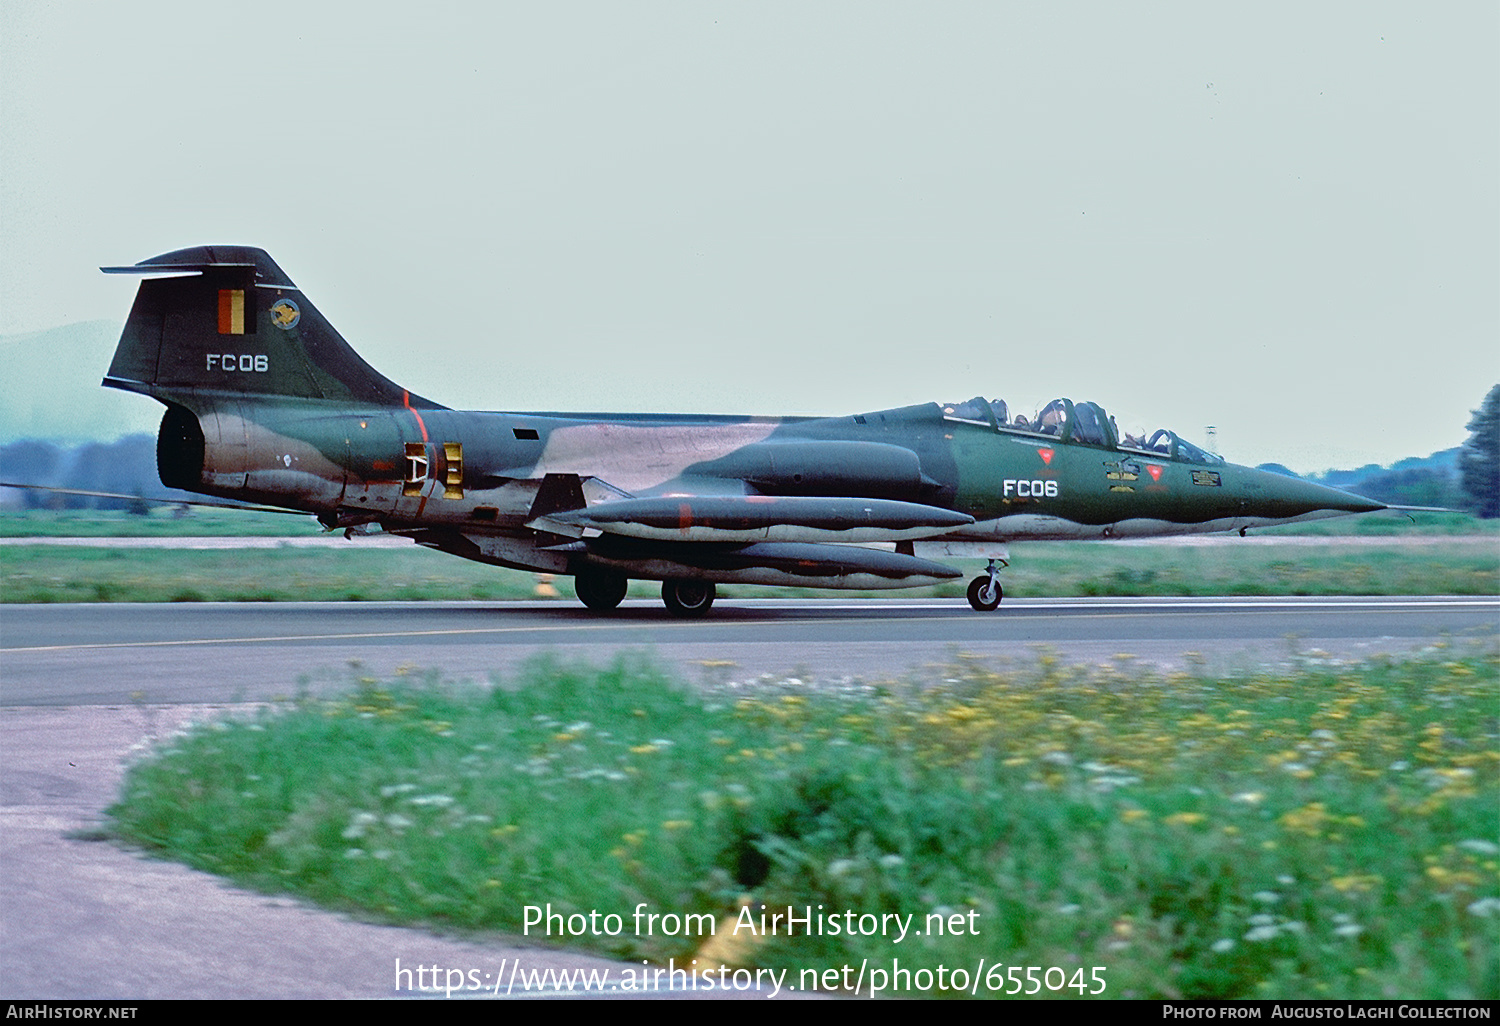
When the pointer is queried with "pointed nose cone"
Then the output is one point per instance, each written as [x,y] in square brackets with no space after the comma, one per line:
[1347,502]
[1321,497]
[1283,498]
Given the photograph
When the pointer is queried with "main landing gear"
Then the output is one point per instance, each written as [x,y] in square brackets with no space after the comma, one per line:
[985,592]
[688,599]
[600,590]
[603,590]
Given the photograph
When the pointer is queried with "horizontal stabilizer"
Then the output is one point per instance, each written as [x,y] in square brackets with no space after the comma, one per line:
[200,259]
[171,268]
[757,518]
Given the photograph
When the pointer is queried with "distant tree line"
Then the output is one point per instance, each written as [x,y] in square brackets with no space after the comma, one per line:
[1480,460]
[127,467]
[1466,478]
[1433,481]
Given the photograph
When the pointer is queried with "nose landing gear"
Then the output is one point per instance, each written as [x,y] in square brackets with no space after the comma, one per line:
[985,592]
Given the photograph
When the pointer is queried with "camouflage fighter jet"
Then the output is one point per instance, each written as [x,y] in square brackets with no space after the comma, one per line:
[266,403]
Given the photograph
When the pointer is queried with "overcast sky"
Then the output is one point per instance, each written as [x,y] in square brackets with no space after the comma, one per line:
[1279,218]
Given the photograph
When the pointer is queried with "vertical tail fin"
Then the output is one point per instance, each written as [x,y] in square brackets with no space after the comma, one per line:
[229,320]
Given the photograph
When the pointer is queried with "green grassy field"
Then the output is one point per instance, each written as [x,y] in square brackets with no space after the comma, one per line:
[1324,832]
[1390,523]
[162,522]
[1317,832]
[348,572]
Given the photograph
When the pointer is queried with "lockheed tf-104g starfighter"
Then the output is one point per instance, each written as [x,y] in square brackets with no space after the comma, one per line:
[266,403]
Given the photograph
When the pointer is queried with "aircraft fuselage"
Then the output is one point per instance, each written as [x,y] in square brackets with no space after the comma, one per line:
[266,403]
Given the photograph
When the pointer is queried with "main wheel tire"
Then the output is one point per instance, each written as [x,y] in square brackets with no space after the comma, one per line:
[985,595]
[688,599]
[600,590]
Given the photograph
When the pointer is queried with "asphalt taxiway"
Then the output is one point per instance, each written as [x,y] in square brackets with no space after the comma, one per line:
[231,652]
[85,688]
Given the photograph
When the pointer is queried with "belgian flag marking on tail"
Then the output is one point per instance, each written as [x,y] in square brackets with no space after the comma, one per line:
[231,311]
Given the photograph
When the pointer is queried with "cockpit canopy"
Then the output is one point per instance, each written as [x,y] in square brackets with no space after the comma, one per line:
[1080,423]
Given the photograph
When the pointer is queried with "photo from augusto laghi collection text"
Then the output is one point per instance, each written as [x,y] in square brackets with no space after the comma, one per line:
[707,974]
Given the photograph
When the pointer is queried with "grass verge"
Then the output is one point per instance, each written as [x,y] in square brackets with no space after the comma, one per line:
[65,574]
[161,522]
[1324,832]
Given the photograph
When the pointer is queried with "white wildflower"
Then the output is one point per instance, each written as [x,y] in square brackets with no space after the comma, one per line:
[1485,907]
[360,822]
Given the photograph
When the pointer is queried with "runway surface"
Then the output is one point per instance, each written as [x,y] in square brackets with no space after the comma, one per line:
[227,652]
[85,688]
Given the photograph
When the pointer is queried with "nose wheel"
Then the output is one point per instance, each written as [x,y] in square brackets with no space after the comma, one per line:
[985,592]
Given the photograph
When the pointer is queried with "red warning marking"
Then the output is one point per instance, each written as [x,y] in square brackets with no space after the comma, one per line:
[1154,471]
[684,516]
[1046,455]
[406,401]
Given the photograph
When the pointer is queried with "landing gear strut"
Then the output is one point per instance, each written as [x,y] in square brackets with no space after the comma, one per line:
[687,599]
[600,590]
[985,592]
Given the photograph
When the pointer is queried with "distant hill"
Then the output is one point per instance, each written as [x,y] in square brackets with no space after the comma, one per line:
[49,387]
